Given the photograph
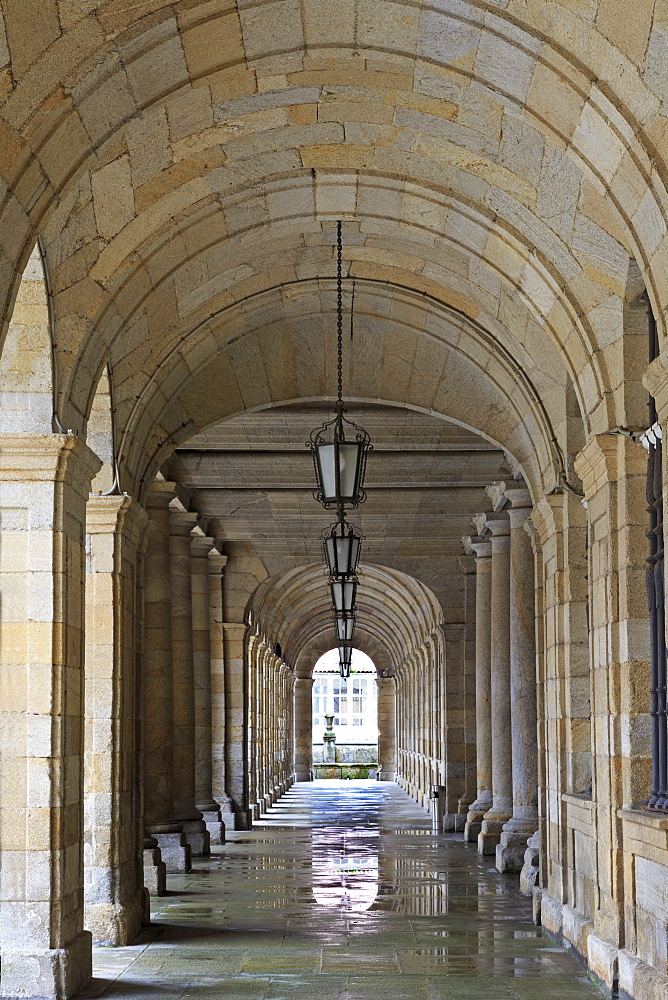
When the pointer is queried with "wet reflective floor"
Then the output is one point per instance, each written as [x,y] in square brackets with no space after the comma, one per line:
[341,892]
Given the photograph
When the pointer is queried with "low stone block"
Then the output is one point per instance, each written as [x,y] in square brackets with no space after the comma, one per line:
[602,958]
[510,852]
[575,928]
[638,980]
[551,914]
[530,867]
[155,872]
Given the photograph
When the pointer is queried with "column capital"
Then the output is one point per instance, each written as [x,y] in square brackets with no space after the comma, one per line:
[160,495]
[453,631]
[476,546]
[304,680]
[387,682]
[200,544]
[509,493]
[607,458]
[181,522]
[495,525]
[655,380]
[120,514]
[466,563]
[217,562]
[32,458]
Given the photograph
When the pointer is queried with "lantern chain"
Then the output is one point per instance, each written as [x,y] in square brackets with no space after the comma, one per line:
[339,321]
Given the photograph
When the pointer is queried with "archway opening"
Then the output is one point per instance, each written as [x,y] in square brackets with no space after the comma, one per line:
[345,718]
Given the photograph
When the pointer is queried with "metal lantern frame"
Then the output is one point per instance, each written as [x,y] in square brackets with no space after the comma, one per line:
[342,546]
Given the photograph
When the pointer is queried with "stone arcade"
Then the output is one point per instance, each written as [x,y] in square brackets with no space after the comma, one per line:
[171,177]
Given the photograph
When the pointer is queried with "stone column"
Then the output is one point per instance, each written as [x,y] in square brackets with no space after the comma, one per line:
[236,734]
[303,727]
[524,820]
[454,755]
[498,527]
[482,550]
[201,607]
[116,529]
[159,693]
[467,566]
[44,485]
[217,652]
[181,524]
[387,728]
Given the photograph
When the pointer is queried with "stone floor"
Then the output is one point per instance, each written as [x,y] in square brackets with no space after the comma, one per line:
[341,892]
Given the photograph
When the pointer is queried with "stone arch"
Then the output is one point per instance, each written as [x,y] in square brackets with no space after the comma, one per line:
[101,437]
[26,362]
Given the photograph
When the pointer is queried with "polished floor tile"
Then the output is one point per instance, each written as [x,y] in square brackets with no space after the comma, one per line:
[341,891]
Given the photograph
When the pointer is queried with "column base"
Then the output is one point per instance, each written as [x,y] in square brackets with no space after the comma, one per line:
[47,972]
[197,836]
[175,852]
[303,776]
[215,826]
[510,851]
[114,924]
[385,776]
[453,822]
[489,837]
[473,821]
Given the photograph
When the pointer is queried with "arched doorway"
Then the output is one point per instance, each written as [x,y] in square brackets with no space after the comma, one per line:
[345,718]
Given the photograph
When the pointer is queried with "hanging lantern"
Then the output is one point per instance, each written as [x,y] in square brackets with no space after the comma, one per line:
[342,544]
[345,660]
[344,593]
[345,627]
[339,446]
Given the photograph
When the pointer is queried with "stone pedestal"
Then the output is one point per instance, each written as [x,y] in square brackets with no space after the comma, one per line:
[498,528]
[44,485]
[175,851]
[387,728]
[530,865]
[113,898]
[524,820]
[155,870]
[483,552]
[158,688]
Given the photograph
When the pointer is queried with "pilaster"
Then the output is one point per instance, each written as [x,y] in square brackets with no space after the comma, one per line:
[116,529]
[44,485]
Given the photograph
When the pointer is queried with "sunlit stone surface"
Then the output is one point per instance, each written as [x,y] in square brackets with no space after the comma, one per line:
[341,891]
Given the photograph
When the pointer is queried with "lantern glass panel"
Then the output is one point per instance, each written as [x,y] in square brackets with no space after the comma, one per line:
[345,655]
[349,454]
[345,625]
[326,454]
[343,596]
[342,553]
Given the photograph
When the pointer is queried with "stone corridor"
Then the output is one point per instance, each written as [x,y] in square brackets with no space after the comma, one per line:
[341,891]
